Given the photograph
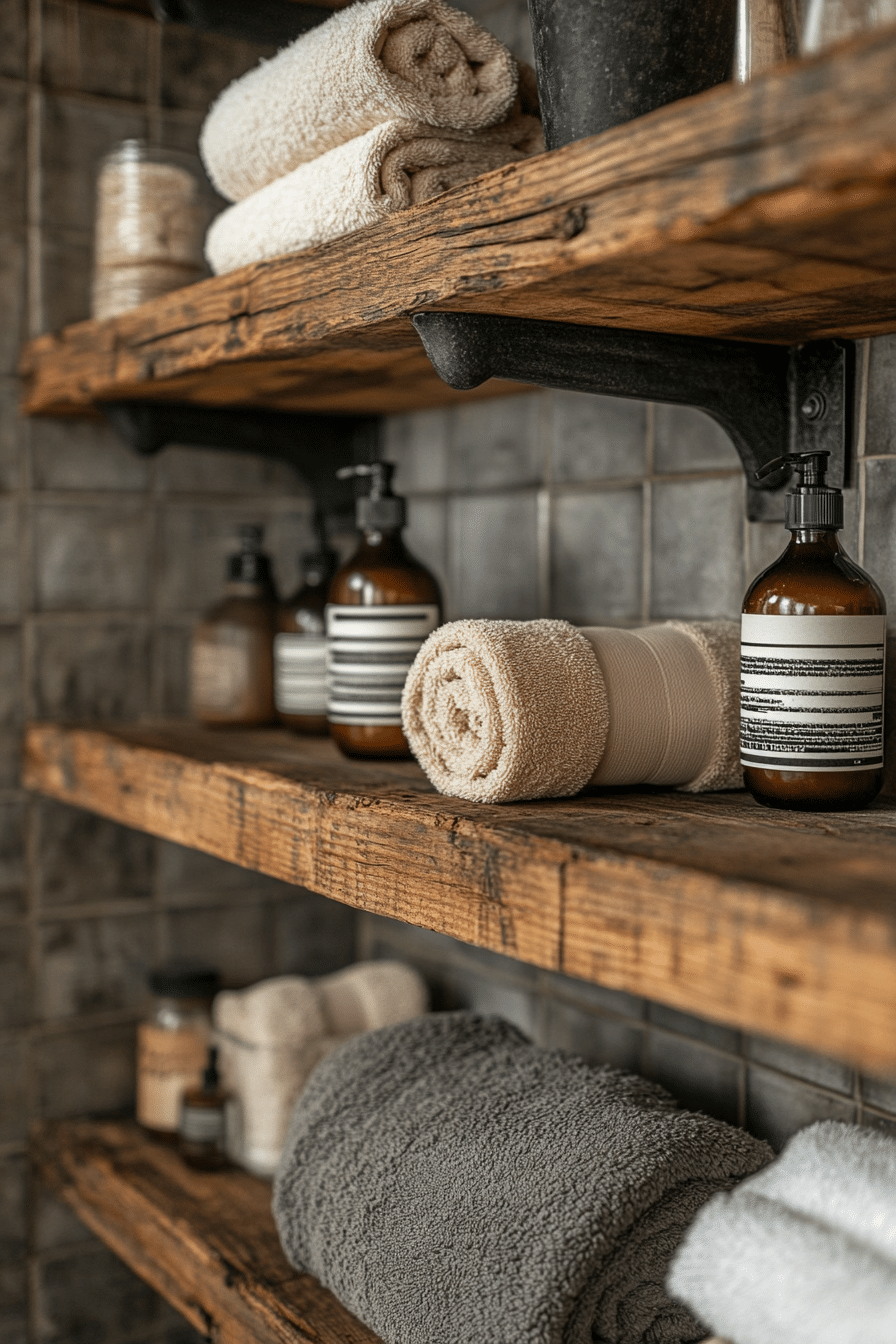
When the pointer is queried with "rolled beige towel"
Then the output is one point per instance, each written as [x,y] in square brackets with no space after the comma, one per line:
[501,711]
[393,166]
[377,61]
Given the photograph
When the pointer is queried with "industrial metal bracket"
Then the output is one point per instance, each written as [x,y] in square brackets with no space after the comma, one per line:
[267,22]
[315,445]
[769,399]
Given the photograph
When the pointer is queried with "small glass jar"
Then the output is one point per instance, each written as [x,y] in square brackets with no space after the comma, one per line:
[172,1042]
[153,207]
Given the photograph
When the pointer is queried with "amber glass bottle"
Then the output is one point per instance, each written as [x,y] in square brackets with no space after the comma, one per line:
[812,662]
[382,605]
[300,648]
[232,658]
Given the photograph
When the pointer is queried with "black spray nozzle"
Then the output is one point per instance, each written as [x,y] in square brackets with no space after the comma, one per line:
[249,564]
[811,504]
[380,509]
[210,1076]
[811,467]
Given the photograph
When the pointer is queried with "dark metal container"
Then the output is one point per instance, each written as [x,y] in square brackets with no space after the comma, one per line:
[604,62]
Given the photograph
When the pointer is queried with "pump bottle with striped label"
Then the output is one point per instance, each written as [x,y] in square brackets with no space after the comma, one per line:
[382,605]
[813,640]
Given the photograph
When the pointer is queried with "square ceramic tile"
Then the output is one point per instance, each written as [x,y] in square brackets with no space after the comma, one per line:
[92,557]
[236,939]
[83,859]
[196,66]
[15,1099]
[171,668]
[75,454]
[697,548]
[699,1078]
[880,1092]
[880,526]
[426,537]
[76,133]
[14,38]
[182,469]
[12,299]
[497,442]
[13,162]
[805,1064]
[697,1028]
[13,1207]
[418,445]
[10,558]
[84,1070]
[97,50]
[313,935]
[596,438]
[596,549]
[13,892]
[94,965]
[590,998]
[880,429]
[66,258]
[777,1107]
[16,1004]
[12,433]
[91,669]
[686,439]
[493,556]
[87,1295]
[599,1040]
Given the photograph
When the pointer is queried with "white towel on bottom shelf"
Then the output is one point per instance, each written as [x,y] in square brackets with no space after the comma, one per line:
[391,167]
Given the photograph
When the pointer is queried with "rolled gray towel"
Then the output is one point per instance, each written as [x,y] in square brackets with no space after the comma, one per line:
[453,1184]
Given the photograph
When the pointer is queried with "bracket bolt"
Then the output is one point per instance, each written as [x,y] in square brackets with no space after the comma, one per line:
[814,407]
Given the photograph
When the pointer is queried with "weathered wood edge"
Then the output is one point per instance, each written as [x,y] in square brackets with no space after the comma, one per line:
[205,1242]
[811,970]
[705,216]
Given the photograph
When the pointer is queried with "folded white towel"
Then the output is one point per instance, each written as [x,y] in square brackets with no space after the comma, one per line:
[272,1035]
[803,1252]
[500,711]
[377,61]
[393,166]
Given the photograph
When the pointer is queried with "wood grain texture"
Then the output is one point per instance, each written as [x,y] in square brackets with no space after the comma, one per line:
[765,211]
[776,922]
[205,1241]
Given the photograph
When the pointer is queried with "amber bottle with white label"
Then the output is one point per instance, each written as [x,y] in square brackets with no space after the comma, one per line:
[382,605]
[300,648]
[232,656]
[813,639]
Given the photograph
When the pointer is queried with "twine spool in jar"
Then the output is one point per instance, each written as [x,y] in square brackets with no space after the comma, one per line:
[151,217]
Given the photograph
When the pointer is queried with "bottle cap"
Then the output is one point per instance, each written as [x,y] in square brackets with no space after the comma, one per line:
[380,510]
[249,564]
[811,503]
[184,978]
[210,1077]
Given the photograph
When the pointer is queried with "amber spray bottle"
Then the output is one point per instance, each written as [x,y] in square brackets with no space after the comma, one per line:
[382,605]
[300,647]
[232,659]
[813,638]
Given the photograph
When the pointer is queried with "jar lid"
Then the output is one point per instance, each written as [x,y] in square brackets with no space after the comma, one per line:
[184,978]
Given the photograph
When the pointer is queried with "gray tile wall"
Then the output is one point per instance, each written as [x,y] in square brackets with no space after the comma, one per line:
[587,508]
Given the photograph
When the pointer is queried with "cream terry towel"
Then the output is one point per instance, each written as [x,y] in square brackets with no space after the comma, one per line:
[395,165]
[500,711]
[803,1252]
[379,60]
[272,1035]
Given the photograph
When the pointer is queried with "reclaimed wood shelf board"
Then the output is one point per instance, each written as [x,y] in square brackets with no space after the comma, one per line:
[765,211]
[782,923]
[205,1240]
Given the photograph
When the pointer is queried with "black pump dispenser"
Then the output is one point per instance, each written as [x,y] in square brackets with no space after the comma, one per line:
[210,1076]
[381,510]
[250,564]
[812,504]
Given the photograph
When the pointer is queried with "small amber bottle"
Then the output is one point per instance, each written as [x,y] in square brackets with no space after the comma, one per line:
[382,605]
[232,658]
[202,1135]
[812,662]
[300,648]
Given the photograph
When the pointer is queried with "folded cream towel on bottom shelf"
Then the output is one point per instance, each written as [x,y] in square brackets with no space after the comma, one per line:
[273,1034]
[500,711]
[393,166]
[804,1252]
[452,1183]
[377,61]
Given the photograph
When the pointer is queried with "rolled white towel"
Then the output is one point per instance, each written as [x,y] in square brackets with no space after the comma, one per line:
[500,711]
[377,61]
[372,994]
[392,166]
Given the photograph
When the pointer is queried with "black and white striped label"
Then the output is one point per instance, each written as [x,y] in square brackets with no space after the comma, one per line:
[300,674]
[812,692]
[369,655]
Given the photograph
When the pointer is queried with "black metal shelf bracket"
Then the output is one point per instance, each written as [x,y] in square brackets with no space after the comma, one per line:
[769,399]
[315,445]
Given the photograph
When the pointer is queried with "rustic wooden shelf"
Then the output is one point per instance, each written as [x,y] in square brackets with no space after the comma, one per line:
[205,1241]
[765,212]
[777,922]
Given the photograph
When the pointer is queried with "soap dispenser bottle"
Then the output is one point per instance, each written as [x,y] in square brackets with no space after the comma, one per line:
[300,648]
[232,657]
[813,638]
[382,605]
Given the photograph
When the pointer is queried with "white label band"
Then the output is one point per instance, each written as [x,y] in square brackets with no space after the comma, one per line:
[812,692]
[369,654]
[300,674]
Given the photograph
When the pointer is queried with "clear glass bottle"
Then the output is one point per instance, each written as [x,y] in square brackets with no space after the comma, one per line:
[232,656]
[172,1042]
[153,207]
[812,662]
[300,648]
[381,606]
[203,1120]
